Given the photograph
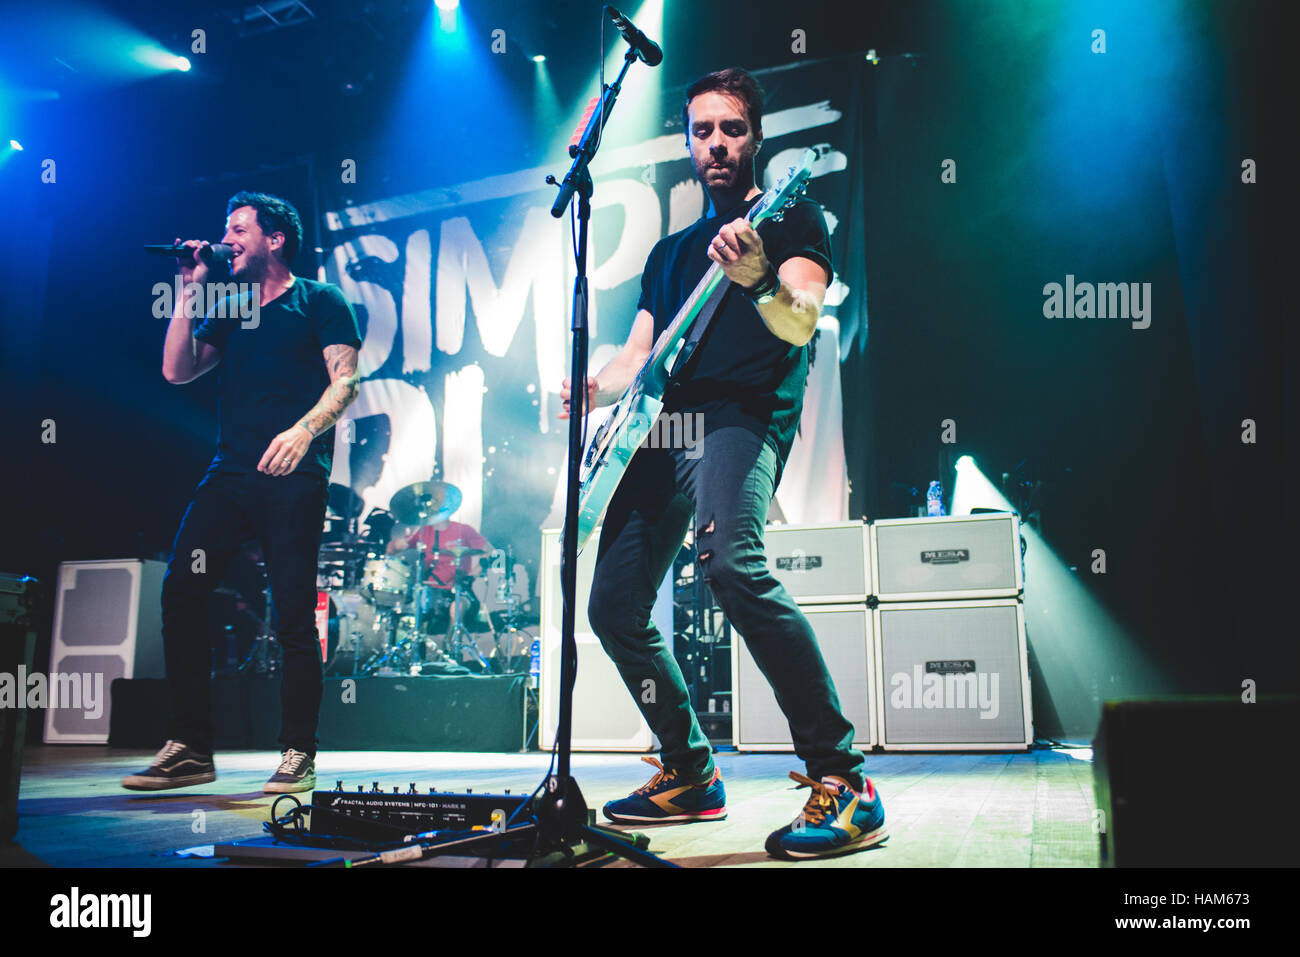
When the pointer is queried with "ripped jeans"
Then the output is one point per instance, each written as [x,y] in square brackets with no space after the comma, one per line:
[728,489]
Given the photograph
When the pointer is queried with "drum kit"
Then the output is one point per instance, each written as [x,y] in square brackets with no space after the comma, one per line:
[394,615]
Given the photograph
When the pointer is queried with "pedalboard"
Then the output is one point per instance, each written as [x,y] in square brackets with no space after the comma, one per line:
[376,814]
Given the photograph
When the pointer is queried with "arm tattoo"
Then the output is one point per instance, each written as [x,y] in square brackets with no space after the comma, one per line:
[341,361]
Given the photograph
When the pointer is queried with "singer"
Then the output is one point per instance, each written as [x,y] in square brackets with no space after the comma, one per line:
[285,381]
[746,378]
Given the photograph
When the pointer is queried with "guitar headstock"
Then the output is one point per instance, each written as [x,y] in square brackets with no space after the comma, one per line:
[784,192]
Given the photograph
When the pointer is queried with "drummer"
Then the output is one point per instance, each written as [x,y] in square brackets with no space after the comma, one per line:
[441,536]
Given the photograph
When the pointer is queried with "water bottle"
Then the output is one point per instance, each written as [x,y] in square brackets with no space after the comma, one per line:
[535,662]
[934,499]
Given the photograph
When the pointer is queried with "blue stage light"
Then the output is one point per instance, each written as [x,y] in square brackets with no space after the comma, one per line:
[15,145]
[540,58]
[447,4]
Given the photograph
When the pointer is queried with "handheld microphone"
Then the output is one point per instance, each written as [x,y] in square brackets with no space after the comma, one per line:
[643,46]
[214,253]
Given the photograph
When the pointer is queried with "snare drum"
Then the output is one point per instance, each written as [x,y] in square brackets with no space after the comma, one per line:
[386,581]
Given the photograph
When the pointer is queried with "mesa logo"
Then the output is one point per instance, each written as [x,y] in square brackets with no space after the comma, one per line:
[945,556]
[946,684]
[799,562]
[73,910]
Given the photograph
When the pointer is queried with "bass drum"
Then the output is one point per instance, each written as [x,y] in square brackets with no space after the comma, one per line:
[357,624]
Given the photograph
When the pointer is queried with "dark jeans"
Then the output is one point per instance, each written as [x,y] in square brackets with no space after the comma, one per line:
[729,489]
[285,514]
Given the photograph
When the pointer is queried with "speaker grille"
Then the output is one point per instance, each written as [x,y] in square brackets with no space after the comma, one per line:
[952,674]
[929,558]
[844,639]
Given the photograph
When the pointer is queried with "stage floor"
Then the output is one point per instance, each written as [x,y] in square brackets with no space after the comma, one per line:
[1031,809]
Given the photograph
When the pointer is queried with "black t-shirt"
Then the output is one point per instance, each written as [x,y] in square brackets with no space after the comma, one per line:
[741,373]
[274,373]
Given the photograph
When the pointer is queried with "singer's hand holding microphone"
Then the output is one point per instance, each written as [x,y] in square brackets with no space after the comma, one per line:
[194,268]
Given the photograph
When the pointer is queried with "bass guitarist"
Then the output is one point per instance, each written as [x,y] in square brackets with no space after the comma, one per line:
[745,380]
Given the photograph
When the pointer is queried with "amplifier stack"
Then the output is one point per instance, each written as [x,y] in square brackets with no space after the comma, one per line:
[921,625]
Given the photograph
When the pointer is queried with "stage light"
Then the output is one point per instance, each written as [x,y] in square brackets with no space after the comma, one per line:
[972,490]
[15,145]
[147,54]
[1081,651]
[539,58]
[447,4]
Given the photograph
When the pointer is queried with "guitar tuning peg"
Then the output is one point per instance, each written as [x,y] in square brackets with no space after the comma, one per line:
[778,217]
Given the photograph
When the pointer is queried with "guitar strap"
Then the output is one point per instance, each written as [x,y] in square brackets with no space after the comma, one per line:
[698,328]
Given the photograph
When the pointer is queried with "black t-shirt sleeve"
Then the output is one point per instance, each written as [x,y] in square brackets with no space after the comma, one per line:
[215,328]
[649,279]
[802,232]
[336,323]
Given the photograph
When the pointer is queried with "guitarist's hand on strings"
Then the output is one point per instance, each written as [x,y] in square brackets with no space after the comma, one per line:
[566,391]
[738,249]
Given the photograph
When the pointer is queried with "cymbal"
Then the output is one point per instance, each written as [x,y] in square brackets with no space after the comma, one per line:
[461,551]
[424,503]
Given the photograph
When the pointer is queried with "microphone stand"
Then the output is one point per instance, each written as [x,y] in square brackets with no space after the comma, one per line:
[561,827]
[562,815]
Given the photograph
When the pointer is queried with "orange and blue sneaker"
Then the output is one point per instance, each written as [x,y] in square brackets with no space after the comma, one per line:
[836,820]
[666,800]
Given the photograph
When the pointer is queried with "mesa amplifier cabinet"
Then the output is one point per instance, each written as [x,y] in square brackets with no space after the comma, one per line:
[605,716]
[952,675]
[922,559]
[820,564]
[844,635]
[107,624]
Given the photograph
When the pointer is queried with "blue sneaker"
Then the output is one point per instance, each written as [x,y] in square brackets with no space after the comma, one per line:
[665,800]
[836,820]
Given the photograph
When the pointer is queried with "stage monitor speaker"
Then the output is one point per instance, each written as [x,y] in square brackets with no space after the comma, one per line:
[605,716]
[107,625]
[944,558]
[953,676]
[822,564]
[844,636]
[1197,782]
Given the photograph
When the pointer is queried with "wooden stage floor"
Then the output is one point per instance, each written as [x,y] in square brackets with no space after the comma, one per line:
[1025,810]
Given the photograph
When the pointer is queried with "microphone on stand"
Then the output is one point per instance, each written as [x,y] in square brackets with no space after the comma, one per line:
[213,253]
[645,48]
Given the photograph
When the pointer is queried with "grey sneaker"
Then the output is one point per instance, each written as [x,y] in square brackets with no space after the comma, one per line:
[177,765]
[297,772]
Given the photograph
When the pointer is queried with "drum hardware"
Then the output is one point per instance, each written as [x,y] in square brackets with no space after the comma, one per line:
[501,590]
[459,640]
[386,601]
[263,658]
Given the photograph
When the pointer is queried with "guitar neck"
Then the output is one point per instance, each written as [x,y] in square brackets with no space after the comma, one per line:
[686,315]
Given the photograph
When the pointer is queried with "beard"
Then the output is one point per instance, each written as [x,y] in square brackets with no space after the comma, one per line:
[248,267]
[736,173]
